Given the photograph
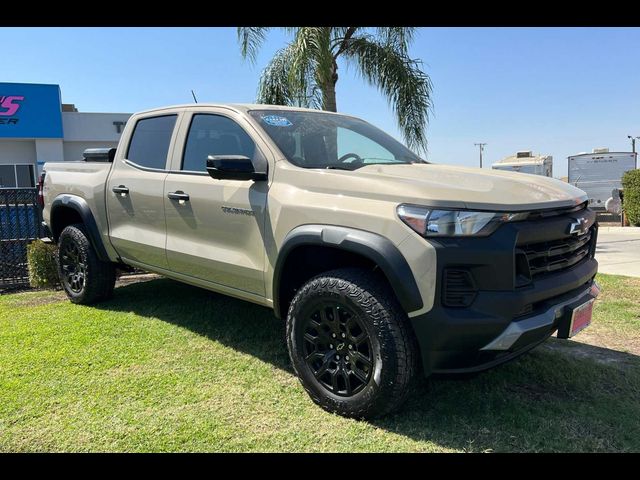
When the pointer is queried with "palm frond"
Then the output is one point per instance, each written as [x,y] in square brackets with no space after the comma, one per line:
[281,84]
[251,39]
[401,80]
[313,64]
[398,37]
[340,37]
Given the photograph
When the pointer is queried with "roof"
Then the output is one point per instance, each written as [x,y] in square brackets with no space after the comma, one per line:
[591,154]
[242,107]
[513,159]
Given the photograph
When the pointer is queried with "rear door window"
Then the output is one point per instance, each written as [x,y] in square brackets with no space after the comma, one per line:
[150,141]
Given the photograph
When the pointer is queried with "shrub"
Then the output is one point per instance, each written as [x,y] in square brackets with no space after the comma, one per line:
[41,259]
[631,201]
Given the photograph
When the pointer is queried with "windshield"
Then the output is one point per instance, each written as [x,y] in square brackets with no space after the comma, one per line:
[325,140]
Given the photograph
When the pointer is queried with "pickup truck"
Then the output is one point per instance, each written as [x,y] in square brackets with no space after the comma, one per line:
[382,265]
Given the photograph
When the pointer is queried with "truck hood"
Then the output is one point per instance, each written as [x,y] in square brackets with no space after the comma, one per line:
[456,187]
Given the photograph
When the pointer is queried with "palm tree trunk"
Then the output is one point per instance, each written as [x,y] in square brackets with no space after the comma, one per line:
[329,98]
[329,105]
[329,91]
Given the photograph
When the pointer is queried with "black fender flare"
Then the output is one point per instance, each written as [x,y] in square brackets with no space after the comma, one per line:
[373,246]
[81,206]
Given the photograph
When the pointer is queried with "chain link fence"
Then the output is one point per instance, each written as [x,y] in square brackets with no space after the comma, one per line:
[20,223]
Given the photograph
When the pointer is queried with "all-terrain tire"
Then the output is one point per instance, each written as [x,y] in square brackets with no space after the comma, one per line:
[362,298]
[85,278]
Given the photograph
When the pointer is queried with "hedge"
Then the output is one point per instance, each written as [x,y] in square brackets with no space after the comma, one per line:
[43,270]
[631,201]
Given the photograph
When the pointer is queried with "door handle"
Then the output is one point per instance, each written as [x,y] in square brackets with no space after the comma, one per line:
[178,195]
[120,190]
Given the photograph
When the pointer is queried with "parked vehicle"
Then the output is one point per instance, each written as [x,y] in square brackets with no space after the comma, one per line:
[381,264]
[599,173]
[526,162]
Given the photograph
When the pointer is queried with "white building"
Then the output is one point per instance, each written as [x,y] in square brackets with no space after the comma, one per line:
[526,162]
[35,127]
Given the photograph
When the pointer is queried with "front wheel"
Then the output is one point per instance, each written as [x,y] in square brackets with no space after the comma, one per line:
[83,276]
[350,343]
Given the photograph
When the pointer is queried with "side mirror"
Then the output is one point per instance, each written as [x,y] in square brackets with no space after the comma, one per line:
[233,167]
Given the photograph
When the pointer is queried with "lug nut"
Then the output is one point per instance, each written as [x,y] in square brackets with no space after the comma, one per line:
[344,335]
[347,358]
[331,345]
[333,335]
[337,357]
[350,347]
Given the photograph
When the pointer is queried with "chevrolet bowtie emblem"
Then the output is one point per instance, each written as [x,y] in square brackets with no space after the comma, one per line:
[579,227]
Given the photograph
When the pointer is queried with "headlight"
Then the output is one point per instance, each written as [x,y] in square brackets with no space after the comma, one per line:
[432,222]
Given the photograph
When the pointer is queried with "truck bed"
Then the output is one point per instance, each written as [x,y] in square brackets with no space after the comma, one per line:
[84,179]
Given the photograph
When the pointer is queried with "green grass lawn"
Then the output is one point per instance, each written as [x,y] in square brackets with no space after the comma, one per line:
[169,367]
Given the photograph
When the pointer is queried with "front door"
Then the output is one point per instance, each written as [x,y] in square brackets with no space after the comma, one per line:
[214,227]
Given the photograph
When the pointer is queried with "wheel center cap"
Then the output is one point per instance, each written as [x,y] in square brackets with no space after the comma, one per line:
[340,347]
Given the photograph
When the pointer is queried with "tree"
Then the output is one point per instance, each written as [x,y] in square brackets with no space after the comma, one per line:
[305,72]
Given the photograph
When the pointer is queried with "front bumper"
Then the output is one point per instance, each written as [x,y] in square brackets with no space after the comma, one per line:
[559,310]
[505,319]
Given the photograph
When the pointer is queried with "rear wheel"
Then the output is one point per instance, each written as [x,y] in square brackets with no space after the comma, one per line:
[350,343]
[83,276]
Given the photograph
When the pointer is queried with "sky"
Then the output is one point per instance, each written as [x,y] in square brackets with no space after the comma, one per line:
[556,91]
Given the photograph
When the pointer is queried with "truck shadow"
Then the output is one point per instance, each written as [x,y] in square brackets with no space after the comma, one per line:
[547,399]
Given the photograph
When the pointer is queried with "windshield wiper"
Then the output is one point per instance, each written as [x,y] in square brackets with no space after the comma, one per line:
[393,161]
[338,167]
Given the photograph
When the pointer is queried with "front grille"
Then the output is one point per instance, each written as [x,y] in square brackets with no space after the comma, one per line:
[557,255]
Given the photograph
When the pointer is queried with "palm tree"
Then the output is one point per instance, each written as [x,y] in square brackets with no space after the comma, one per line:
[305,72]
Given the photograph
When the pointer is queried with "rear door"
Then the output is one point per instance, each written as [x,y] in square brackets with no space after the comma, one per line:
[216,232]
[135,201]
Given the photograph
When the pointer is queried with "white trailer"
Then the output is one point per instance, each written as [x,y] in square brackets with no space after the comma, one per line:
[599,172]
[527,162]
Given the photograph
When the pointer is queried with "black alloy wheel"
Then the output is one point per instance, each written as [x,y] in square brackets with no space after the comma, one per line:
[351,344]
[73,266]
[338,349]
[85,278]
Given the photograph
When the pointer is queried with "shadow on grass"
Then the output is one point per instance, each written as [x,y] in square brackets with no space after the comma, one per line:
[555,398]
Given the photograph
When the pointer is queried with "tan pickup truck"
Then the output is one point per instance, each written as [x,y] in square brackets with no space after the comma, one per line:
[382,264]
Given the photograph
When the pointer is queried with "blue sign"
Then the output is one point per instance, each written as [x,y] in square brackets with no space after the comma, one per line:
[29,110]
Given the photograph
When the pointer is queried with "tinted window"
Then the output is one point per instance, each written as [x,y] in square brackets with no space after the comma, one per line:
[150,141]
[7,176]
[25,176]
[214,135]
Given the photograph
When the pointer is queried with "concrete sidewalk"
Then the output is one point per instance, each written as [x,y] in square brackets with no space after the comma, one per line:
[618,250]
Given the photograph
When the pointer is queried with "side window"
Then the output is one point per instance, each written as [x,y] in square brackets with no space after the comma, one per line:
[149,144]
[20,176]
[24,175]
[214,135]
[7,176]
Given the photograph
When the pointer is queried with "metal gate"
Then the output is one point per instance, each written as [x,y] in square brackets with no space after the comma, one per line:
[20,223]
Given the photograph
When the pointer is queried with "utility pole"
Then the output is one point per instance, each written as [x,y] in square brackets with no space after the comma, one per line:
[481,145]
[633,142]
